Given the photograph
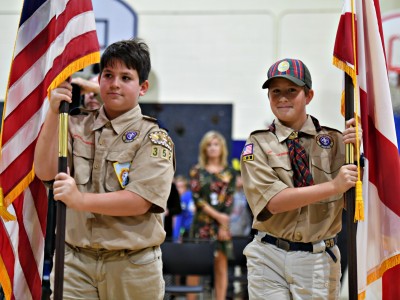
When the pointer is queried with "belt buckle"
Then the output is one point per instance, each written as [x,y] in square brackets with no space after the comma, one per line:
[282,244]
[330,243]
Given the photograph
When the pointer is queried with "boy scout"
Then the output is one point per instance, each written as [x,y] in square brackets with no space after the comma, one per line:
[294,180]
[114,227]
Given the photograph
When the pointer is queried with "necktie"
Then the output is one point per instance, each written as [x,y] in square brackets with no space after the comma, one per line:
[298,157]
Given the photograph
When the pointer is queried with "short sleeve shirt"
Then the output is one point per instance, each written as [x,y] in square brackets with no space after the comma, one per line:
[266,171]
[130,152]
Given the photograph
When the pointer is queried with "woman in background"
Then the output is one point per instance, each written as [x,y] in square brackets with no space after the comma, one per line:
[213,184]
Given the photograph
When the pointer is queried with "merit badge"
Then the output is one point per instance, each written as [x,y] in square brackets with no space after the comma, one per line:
[324,141]
[247,152]
[129,136]
[283,66]
[122,172]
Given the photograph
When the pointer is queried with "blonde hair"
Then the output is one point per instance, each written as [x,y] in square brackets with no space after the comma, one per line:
[182,179]
[205,141]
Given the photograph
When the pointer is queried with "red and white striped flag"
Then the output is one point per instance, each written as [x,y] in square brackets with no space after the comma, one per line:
[55,39]
[360,46]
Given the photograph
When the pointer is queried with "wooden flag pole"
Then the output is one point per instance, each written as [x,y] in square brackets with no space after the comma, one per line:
[350,198]
[61,208]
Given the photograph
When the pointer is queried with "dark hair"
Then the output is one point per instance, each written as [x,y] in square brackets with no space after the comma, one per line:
[134,53]
[306,90]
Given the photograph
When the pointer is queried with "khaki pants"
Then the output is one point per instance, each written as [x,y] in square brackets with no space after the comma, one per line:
[274,273]
[109,275]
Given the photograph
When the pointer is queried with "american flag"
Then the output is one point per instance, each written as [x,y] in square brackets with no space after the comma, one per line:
[55,39]
[359,51]
[247,150]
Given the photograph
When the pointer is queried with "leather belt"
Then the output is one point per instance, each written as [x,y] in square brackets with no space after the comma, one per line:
[295,246]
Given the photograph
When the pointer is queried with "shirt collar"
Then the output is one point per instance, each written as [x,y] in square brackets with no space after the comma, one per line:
[119,123]
[282,132]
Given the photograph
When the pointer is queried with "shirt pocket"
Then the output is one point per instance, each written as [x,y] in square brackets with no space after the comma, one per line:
[279,162]
[282,167]
[83,155]
[324,169]
[116,161]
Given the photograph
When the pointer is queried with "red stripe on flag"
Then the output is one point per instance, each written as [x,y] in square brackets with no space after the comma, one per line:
[25,254]
[41,43]
[30,105]
[6,251]
[39,194]
[379,19]
[23,163]
[74,50]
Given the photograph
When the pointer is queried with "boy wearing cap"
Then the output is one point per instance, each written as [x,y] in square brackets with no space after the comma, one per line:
[294,178]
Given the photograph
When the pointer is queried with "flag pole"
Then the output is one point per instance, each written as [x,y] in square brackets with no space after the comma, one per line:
[61,209]
[49,246]
[350,197]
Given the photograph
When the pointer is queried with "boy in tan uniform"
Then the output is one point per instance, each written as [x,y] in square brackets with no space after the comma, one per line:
[121,167]
[294,178]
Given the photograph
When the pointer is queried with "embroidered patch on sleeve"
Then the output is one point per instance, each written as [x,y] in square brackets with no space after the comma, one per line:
[159,151]
[161,138]
[122,172]
[247,152]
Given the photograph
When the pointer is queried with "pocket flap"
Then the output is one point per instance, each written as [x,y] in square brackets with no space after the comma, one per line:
[117,156]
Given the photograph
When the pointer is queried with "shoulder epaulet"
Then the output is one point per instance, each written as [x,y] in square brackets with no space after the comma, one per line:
[259,131]
[151,119]
[159,123]
[330,128]
[82,111]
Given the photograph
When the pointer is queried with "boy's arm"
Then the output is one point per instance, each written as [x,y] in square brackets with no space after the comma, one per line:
[87,86]
[119,203]
[46,150]
[293,198]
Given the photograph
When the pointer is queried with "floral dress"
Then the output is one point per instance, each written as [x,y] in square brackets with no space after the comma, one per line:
[215,189]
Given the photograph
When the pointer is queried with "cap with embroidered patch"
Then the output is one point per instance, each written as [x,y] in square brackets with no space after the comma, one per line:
[292,69]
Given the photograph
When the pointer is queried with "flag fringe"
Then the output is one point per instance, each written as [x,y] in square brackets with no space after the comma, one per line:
[73,67]
[385,265]
[342,103]
[21,186]
[5,280]
[362,295]
[4,214]
[344,67]
[378,273]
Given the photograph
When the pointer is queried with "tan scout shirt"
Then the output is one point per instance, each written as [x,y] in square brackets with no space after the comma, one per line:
[101,154]
[266,170]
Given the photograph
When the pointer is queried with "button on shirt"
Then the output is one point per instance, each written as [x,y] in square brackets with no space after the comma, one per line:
[98,150]
[269,171]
